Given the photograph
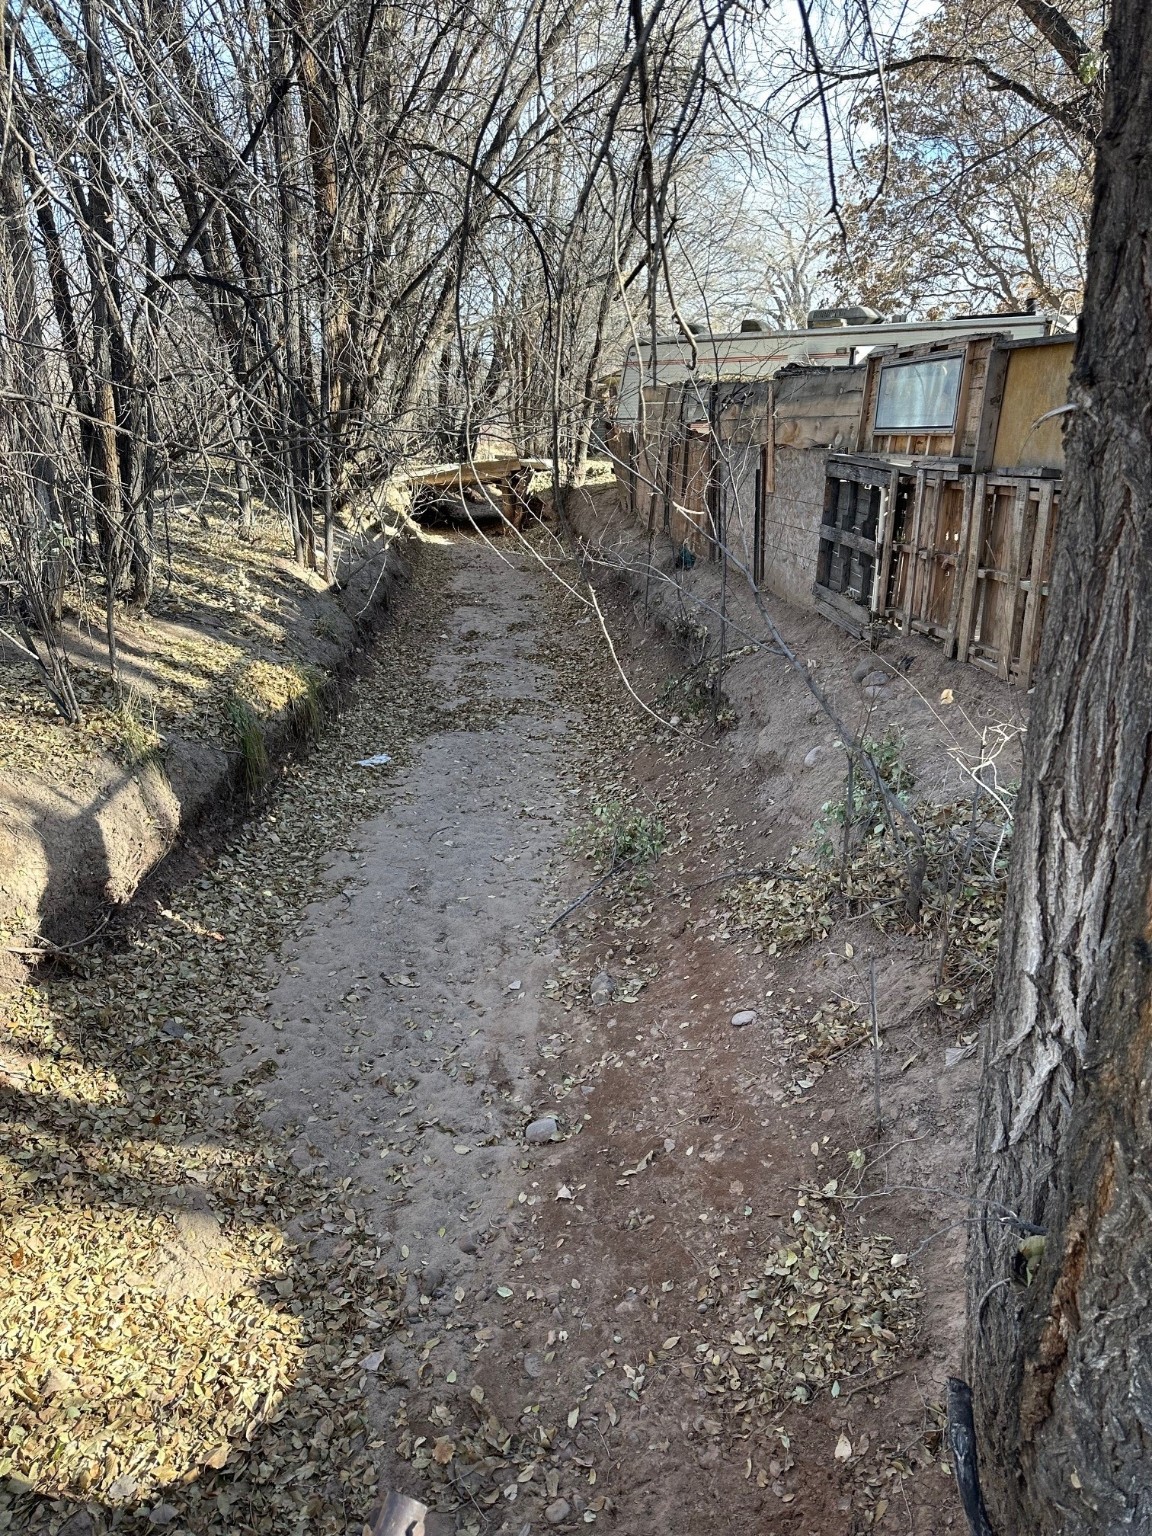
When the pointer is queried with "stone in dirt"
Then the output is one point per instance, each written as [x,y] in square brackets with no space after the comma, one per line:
[813,757]
[742,1019]
[602,987]
[558,1512]
[875,679]
[544,1129]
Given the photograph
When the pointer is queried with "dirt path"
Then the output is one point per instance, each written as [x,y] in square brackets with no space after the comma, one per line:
[663,1319]
[587,1330]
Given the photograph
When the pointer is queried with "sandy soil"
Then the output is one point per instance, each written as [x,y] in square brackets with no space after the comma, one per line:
[607,1328]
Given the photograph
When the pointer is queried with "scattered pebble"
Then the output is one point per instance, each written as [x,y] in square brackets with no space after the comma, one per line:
[742,1019]
[602,987]
[544,1129]
[558,1512]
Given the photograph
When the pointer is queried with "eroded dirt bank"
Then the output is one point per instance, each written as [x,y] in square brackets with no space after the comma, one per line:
[666,1318]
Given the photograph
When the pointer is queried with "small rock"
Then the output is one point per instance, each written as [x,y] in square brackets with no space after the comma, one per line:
[544,1129]
[602,987]
[432,1279]
[558,1512]
[813,757]
[173,1030]
[466,1244]
[862,668]
[875,679]
[742,1019]
[533,1366]
[877,691]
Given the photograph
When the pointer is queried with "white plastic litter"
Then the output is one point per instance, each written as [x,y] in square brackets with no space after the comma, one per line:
[374,762]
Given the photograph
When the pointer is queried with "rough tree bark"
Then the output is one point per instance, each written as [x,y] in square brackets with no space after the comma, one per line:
[1060,1341]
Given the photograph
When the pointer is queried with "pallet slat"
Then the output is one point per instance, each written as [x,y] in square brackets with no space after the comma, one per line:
[958,556]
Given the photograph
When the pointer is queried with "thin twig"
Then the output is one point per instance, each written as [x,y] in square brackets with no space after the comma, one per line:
[580,900]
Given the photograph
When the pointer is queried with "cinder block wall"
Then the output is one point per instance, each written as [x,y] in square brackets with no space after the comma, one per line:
[792,514]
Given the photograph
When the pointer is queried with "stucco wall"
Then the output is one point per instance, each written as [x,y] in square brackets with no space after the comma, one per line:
[792,514]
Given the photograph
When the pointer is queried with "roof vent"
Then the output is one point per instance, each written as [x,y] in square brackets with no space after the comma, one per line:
[852,314]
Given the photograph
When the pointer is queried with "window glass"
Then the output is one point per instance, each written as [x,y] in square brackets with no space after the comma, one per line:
[918,396]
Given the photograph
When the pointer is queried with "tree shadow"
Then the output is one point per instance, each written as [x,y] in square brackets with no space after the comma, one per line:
[176,1337]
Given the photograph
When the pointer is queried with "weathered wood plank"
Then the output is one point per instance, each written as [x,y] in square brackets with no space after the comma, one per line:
[963,555]
[884,532]
[1015,559]
[920,495]
[967,617]
[1035,586]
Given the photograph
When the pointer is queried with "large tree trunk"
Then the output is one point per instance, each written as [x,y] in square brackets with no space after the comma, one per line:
[1061,1358]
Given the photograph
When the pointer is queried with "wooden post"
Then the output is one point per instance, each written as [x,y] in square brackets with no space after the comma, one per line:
[919,495]
[1015,558]
[885,532]
[975,550]
[962,557]
[1036,575]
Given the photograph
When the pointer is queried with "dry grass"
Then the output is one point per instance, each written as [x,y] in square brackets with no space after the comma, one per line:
[220,627]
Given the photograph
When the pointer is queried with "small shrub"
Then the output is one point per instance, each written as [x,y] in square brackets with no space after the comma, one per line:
[867,810]
[137,739]
[620,835]
[250,743]
[308,704]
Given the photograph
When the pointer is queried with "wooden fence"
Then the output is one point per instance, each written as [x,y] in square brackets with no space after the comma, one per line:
[938,550]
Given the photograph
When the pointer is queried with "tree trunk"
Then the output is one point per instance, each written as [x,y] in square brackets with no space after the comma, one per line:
[1060,1356]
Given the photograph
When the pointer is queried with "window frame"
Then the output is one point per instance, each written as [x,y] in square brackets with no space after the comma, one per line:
[915,362]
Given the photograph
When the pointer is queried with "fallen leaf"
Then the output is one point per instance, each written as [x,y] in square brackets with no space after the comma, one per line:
[843,1451]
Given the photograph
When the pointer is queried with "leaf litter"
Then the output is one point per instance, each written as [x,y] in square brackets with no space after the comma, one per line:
[172,1342]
